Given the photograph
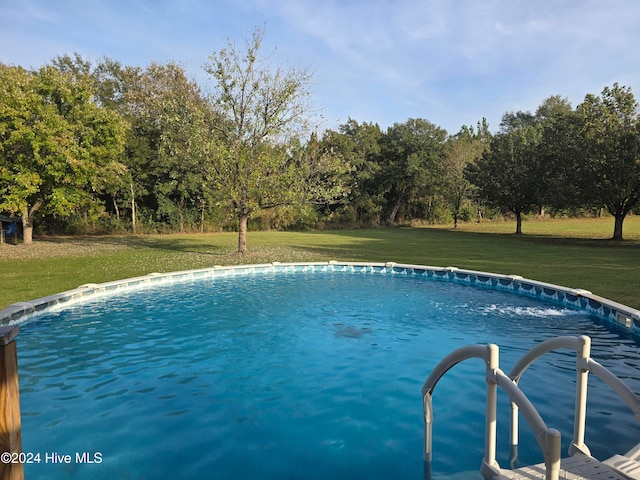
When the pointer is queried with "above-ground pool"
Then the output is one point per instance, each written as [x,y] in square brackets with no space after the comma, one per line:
[303,371]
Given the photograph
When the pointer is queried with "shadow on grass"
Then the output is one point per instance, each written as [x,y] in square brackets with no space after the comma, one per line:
[183,243]
[559,239]
[410,245]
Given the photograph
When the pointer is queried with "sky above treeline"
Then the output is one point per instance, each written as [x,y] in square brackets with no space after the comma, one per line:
[379,61]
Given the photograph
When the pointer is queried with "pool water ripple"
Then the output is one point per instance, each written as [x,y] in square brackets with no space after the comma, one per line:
[305,375]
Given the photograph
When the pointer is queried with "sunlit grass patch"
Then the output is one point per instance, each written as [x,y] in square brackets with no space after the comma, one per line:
[575,228]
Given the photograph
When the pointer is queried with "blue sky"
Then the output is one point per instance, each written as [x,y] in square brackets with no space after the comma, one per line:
[451,62]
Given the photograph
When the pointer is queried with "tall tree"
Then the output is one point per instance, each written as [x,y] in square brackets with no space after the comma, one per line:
[609,128]
[175,108]
[508,175]
[555,153]
[164,147]
[461,150]
[413,152]
[359,145]
[106,88]
[55,143]
[263,110]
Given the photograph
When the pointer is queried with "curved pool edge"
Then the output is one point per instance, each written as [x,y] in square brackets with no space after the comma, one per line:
[614,312]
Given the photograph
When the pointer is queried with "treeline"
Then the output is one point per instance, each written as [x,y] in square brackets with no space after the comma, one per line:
[108,148]
[557,160]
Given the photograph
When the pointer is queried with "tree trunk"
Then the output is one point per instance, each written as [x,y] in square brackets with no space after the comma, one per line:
[133,209]
[457,205]
[181,216]
[518,223]
[202,218]
[242,233]
[115,206]
[617,227]
[27,229]
[27,221]
[541,211]
[394,212]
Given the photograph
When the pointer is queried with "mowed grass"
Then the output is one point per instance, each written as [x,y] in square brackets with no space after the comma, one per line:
[574,253]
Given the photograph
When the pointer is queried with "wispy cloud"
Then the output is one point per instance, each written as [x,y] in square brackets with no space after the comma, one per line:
[375,60]
[496,54]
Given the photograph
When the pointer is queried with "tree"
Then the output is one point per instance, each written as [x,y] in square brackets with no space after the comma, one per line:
[358,144]
[609,145]
[508,174]
[262,110]
[164,152]
[461,150]
[412,152]
[321,174]
[105,83]
[171,106]
[55,143]
[557,154]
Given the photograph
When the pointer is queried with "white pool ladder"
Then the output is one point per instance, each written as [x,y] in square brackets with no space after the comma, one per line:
[580,464]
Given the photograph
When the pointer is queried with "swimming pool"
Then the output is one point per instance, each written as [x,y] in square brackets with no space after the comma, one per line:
[300,371]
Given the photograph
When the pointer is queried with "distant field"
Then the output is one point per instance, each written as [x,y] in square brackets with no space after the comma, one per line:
[574,253]
[586,228]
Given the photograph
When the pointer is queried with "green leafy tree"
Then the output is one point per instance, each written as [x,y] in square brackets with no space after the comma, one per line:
[412,153]
[508,175]
[111,83]
[609,147]
[262,110]
[321,175]
[358,144]
[106,90]
[55,143]
[165,176]
[462,150]
[174,105]
[556,154]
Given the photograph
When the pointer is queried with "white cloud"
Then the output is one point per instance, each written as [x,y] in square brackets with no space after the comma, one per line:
[449,62]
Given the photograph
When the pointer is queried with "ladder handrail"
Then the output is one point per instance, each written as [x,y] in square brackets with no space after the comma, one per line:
[451,360]
[617,385]
[540,349]
[584,365]
[489,354]
[548,438]
[582,346]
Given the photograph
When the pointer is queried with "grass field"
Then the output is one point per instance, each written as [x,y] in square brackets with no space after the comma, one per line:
[574,253]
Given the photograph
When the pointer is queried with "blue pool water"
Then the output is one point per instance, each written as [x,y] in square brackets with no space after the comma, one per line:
[307,375]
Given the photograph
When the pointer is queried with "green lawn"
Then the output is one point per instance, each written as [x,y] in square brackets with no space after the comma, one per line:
[573,253]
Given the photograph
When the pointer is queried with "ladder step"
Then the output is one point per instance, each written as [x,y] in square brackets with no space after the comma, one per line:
[634,453]
[577,467]
[630,468]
